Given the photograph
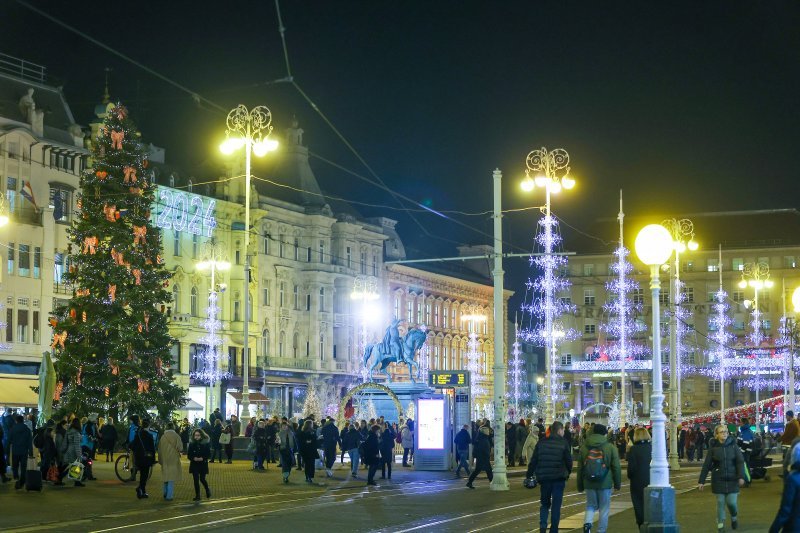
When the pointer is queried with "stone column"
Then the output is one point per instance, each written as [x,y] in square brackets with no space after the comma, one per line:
[646,399]
[597,391]
[577,388]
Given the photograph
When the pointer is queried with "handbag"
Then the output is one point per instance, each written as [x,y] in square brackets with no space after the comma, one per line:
[251,447]
[31,464]
[52,474]
[225,438]
[530,482]
[147,453]
[75,471]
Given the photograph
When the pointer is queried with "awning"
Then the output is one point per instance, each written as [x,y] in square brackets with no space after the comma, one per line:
[255,397]
[16,392]
[192,405]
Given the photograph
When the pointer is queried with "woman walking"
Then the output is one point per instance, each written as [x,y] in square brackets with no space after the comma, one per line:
[144,453]
[788,518]
[307,442]
[169,455]
[727,475]
[286,446]
[387,450]
[108,436]
[72,448]
[226,440]
[198,454]
[216,447]
[639,470]
[372,450]
[530,443]
[260,443]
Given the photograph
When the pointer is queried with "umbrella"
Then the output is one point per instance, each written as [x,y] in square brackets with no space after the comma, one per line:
[47,387]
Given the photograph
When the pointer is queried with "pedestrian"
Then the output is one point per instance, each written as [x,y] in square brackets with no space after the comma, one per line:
[521,436]
[788,517]
[226,441]
[481,450]
[89,437]
[144,452]
[407,441]
[540,425]
[726,464]
[169,456]
[71,448]
[372,452]
[236,425]
[20,442]
[185,433]
[639,470]
[744,440]
[510,437]
[215,434]
[532,441]
[251,426]
[351,441]
[3,464]
[286,446]
[551,463]
[598,470]
[700,443]
[109,436]
[198,453]
[790,437]
[307,443]
[48,455]
[691,437]
[330,440]
[462,442]
[387,450]
[272,435]
[259,440]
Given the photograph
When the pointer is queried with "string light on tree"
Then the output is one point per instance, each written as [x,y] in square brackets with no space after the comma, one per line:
[517,381]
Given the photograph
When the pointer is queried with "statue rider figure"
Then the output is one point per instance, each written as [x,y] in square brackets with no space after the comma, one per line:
[391,341]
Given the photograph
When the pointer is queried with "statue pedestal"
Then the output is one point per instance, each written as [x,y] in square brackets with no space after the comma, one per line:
[406,393]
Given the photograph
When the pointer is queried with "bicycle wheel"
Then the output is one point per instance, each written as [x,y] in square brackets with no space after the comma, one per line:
[123,470]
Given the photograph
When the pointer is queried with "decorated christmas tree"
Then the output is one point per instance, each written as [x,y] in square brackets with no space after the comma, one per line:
[111,341]
[313,403]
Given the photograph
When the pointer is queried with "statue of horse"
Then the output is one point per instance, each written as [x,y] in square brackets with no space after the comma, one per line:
[411,342]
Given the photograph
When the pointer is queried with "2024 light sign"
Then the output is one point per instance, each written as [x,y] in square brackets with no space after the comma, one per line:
[186,212]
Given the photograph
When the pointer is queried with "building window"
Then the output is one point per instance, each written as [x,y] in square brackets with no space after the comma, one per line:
[375,265]
[282,294]
[566,359]
[363,262]
[396,307]
[265,343]
[321,251]
[419,312]
[10,262]
[238,252]
[763,261]
[296,294]
[409,311]
[638,296]
[349,256]
[766,325]
[308,302]
[588,270]
[193,302]
[237,307]
[589,327]
[266,244]
[436,315]
[281,343]
[36,331]
[22,325]
[176,243]
[688,295]
[688,266]
[713,265]
[737,263]
[308,254]
[195,243]
[565,300]
[322,299]
[444,316]
[58,267]
[24,260]
[453,323]
[713,385]
[738,325]
[738,296]
[60,202]
[663,298]
[789,261]
[280,246]
[265,293]
[176,298]
[9,324]
[321,346]
[296,249]
[588,296]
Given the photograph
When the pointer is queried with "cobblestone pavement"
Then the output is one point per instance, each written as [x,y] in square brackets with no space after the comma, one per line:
[244,500]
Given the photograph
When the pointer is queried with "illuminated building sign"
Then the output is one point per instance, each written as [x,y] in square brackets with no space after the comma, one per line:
[430,424]
[455,378]
[187,212]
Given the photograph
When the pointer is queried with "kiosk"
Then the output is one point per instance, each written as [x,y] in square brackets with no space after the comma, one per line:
[433,436]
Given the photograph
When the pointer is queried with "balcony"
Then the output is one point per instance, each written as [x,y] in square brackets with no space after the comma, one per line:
[289,362]
[236,371]
[29,216]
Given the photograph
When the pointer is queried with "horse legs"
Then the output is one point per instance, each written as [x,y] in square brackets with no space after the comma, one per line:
[386,373]
[412,364]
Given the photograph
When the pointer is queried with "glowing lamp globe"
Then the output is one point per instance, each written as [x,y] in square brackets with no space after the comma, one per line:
[796,300]
[555,187]
[230,145]
[261,148]
[743,284]
[693,246]
[3,220]
[567,182]
[653,245]
[527,184]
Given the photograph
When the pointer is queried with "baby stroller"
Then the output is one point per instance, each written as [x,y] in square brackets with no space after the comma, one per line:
[759,461]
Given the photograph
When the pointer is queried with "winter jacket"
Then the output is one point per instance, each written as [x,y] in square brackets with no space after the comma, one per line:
[287,440]
[260,439]
[788,517]
[639,464]
[330,436]
[791,432]
[20,439]
[351,440]
[89,435]
[745,439]
[307,444]
[170,447]
[73,446]
[726,464]
[530,444]
[407,436]
[482,447]
[108,434]
[144,448]
[462,440]
[611,459]
[202,450]
[551,459]
[521,436]
[371,449]
[216,431]
[387,444]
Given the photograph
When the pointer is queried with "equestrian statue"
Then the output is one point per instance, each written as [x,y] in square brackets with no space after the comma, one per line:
[395,349]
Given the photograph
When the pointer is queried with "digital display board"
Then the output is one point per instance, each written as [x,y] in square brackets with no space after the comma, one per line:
[430,424]
[455,378]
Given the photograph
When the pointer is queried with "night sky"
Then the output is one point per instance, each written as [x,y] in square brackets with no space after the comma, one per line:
[687,106]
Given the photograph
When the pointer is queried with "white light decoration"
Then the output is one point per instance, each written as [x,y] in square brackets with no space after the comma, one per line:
[185,212]
[718,324]
[208,367]
[516,378]
[474,367]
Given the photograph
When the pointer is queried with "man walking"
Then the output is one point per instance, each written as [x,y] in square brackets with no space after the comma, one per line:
[481,449]
[330,439]
[462,442]
[551,463]
[598,457]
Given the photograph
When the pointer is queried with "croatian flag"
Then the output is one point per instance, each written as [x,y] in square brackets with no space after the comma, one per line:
[27,193]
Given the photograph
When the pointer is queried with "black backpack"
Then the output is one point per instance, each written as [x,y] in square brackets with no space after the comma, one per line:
[594,466]
[38,439]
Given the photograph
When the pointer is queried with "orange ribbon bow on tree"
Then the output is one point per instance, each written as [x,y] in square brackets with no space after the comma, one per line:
[139,233]
[112,292]
[130,175]
[90,245]
[116,139]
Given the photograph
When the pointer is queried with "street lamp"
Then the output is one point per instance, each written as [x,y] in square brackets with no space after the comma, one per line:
[551,172]
[365,289]
[682,232]
[213,259]
[248,129]
[654,246]
[756,275]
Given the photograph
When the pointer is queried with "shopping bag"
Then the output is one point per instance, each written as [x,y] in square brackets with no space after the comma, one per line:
[52,474]
[75,471]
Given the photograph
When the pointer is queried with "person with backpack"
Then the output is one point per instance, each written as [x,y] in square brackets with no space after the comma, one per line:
[598,470]
[351,441]
[551,463]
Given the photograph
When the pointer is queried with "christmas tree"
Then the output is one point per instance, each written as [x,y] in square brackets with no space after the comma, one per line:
[313,403]
[111,340]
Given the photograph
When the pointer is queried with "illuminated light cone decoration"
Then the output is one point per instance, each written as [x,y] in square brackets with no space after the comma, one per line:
[209,371]
[110,340]
[474,368]
[517,382]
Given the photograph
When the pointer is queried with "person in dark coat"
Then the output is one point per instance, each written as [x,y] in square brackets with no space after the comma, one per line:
[330,439]
[108,436]
[387,450]
[351,441]
[198,453]
[215,434]
[372,450]
[551,463]
[481,450]
[726,463]
[144,453]
[3,465]
[639,470]
[462,442]
[307,443]
[20,443]
[788,517]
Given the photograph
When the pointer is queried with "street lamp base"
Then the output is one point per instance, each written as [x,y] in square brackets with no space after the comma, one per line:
[499,482]
[659,511]
[674,463]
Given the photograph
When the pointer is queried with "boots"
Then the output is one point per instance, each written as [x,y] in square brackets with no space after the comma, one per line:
[587,528]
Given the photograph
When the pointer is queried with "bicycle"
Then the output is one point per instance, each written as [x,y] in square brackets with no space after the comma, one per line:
[124,468]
